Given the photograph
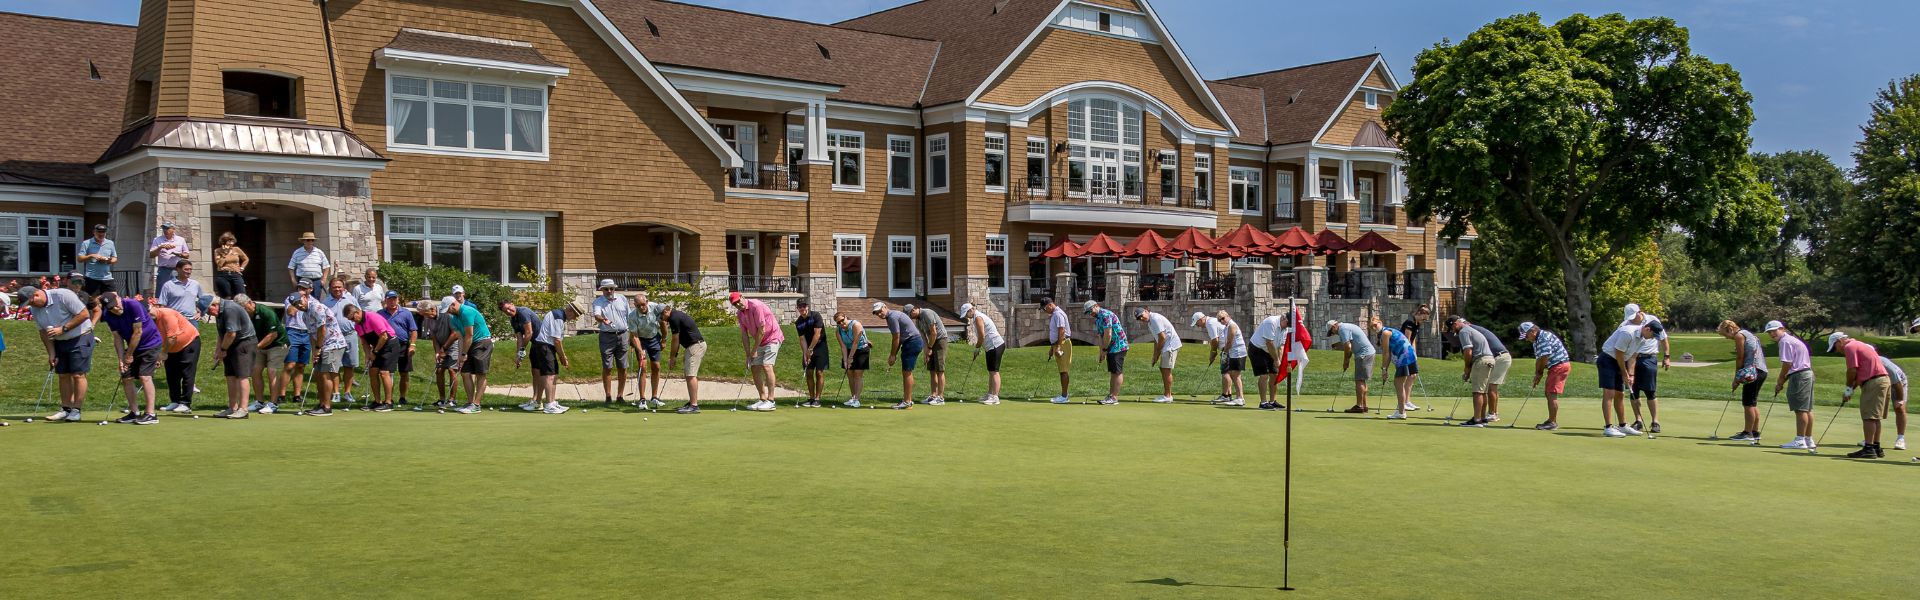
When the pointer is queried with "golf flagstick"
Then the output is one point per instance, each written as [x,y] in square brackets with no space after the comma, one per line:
[1286,489]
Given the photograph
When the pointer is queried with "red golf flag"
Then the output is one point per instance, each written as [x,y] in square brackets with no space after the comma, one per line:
[1298,332]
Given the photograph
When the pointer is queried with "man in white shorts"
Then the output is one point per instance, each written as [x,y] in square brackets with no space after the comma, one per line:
[1166,349]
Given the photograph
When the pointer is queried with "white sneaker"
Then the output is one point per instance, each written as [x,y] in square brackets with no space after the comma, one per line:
[268,409]
[935,401]
[1060,400]
[59,416]
[656,403]
[1220,399]
[1109,401]
[529,406]
[851,403]
[467,409]
[1900,443]
[73,415]
[254,407]
[1397,416]
[1409,407]
[1163,400]
[554,408]
[761,406]
[169,407]
[1235,402]
[1495,418]
[1629,430]
[1613,432]
[990,400]
[1798,443]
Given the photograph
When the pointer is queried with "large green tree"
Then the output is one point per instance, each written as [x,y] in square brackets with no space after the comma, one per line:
[1811,191]
[1594,130]
[1879,231]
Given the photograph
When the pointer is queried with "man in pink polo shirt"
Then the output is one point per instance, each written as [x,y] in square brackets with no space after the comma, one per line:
[1865,373]
[760,338]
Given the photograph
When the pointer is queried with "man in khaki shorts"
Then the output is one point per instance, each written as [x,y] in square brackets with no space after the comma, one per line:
[1478,366]
[1060,336]
[686,336]
[1865,373]
[1502,362]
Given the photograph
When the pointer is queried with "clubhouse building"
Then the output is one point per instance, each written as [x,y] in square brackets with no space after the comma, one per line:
[928,153]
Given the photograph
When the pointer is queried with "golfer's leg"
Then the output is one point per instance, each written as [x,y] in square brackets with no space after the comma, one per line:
[1493,398]
[1166,382]
[146,384]
[1636,407]
[1063,384]
[128,386]
[1553,408]
[1360,393]
[1653,411]
[79,391]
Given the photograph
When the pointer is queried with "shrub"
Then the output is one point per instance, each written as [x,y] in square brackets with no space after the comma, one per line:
[541,296]
[486,294]
[708,311]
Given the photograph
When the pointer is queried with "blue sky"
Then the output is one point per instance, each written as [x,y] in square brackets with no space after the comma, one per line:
[1811,66]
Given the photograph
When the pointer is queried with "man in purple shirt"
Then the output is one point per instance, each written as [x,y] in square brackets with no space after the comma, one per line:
[137,343]
[1796,377]
[760,338]
[1865,373]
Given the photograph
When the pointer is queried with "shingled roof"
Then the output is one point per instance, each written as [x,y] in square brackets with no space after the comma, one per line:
[64,83]
[975,37]
[1247,107]
[872,68]
[1300,100]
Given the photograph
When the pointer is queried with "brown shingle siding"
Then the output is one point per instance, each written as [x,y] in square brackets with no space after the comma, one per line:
[1060,57]
[1300,100]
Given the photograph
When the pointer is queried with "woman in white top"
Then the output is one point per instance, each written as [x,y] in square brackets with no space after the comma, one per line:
[984,335]
[1225,336]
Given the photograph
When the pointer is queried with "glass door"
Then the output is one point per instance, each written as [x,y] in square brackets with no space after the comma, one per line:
[1103,175]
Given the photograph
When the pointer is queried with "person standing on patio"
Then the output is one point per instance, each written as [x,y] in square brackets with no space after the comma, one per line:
[181,293]
[907,345]
[309,262]
[760,338]
[1224,337]
[1358,353]
[97,258]
[1060,336]
[985,336]
[229,262]
[1166,349]
[167,250]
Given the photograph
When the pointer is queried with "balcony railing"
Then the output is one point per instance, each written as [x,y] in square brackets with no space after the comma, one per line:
[1158,286]
[1336,212]
[632,281]
[1091,191]
[1037,288]
[1347,286]
[768,176]
[1286,285]
[764,284]
[1219,287]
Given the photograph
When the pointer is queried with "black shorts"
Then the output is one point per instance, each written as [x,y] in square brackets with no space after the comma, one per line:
[1646,375]
[1262,362]
[816,360]
[1611,377]
[861,359]
[993,358]
[143,363]
[545,361]
[404,363]
[1406,370]
[96,287]
[1233,364]
[1750,391]
[239,362]
[75,355]
[388,358]
[478,357]
[650,347]
[1117,362]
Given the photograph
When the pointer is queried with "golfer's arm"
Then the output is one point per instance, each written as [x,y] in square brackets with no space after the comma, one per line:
[226,341]
[139,331]
[1539,366]
[78,318]
[382,343]
[266,341]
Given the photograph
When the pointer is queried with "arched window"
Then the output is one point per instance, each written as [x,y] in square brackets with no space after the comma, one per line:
[251,94]
[1105,148]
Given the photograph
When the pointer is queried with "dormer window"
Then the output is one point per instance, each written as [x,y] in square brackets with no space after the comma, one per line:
[1373,100]
[250,94]
[1105,20]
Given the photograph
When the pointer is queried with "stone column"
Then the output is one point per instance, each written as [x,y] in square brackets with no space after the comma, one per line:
[711,283]
[1373,283]
[1312,282]
[1063,287]
[1418,285]
[822,291]
[1123,288]
[1183,280]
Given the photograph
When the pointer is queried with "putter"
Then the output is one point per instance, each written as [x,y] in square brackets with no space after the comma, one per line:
[46,387]
[1723,416]
[1769,415]
[1425,398]
[1524,397]
[1455,410]
[1823,433]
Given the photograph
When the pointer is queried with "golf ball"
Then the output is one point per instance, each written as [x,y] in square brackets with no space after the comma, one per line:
[196,417]
[29,419]
[5,424]
[643,418]
[103,422]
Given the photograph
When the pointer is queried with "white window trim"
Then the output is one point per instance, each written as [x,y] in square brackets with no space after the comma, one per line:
[1047,265]
[1006,266]
[865,265]
[749,149]
[1372,100]
[1203,174]
[546,117]
[1252,194]
[947,148]
[52,238]
[835,163]
[1284,196]
[911,182]
[913,265]
[1005,163]
[1046,163]
[466,239]
[942,286]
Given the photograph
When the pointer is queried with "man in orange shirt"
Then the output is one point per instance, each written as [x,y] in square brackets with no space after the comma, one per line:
[180,343]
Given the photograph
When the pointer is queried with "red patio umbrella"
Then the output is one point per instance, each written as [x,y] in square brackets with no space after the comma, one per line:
[1372,242]
[1188,243]
[1065,249]
[1149,244]
[1331,243]
[1296,240]
[1102,245]
[1247,239]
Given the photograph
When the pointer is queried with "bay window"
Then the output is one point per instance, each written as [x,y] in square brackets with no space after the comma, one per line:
[492,246]
[473,118]
[1105,138]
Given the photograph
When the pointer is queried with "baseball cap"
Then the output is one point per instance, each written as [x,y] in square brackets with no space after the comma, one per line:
[878,307]
[26,293]
[907,308]
[459,289]
[1657,328]
[1526,328]
[966,309]
[1089,305]
[305,284]
[1632,309]
[1332,323]
[1772,325]
[1197,318]
[100,227]
[1834,340]
[606,283]
[392,294]
[802,302]
[733,297]
[1915,327]
[1139,312]
[167,225]
[446,304]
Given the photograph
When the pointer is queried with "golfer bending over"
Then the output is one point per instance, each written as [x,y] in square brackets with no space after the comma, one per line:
[1224,336]
[548,356]
[1060,339]
[686,337]
[809,326]
[1865,373]
[855,353]
[935,334]
[907,345]
[1268,336]
[137,342]
[1616,377]
[1166,349]
[760,339]
[236,351]
[984,335]
[1400,353]
[66,330]
[180,349]
[1749,373]
[1550,359]
[1113,345]
[1357,352]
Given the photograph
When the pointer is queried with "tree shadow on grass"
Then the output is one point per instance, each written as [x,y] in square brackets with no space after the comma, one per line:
[1171,582]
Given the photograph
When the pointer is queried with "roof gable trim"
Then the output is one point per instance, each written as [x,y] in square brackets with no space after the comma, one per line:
[1378,63]
[655,81]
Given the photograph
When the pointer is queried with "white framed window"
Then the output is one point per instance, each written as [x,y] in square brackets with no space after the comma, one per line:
[494,244]
[1203,177]
[1330,188]
[848,152]
[38,244]
[899,164]
[850,260]
[1169,177]
[793,255]
[937,164]
[1372,99]
[996,165]
[997,263]
[1243,193]
[1037,275]
[1037,164]
[796,146]
[1363,190]
[461,117]
[939,264]
[1283,194]
[900,265]
[1104,139]
[1446,265]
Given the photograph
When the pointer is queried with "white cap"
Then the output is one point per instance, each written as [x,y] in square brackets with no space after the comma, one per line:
[1632,309]
[965,310]
[459,289]
[607,283]
[879,307]
[1525,328]
[446,304]
[1332,323]
[1197,318]
[1089,305]
[1772,325]
[1915,327]
[1834,340]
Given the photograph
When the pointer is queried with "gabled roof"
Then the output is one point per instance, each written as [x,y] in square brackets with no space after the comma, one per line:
[1300,101]
[975,37]
[1247,106]
[871,68]
[57,115]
